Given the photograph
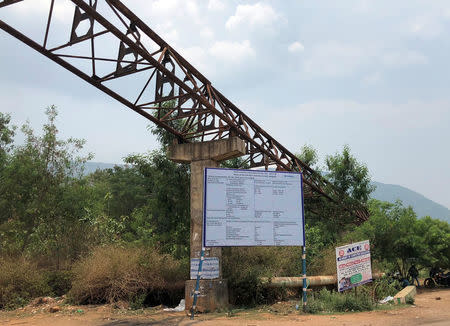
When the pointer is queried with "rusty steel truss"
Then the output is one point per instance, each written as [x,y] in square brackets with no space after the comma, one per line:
[160,75]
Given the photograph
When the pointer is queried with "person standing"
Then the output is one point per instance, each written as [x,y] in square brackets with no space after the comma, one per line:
[414,273]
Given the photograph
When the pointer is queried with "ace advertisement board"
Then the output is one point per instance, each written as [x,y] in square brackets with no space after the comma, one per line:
[353,265]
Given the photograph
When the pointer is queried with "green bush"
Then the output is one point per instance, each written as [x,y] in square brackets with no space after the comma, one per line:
[243,268]
[331,301]
[20,281]
[59,282]
[384,287]
[111,274]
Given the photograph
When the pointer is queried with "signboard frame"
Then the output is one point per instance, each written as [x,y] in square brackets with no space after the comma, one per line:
[300,244]
[353,255]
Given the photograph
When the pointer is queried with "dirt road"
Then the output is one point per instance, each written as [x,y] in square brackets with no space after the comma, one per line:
[432,307]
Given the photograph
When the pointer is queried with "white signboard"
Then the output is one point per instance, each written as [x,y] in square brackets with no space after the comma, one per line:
[210,268]
[252,208]
[353,265]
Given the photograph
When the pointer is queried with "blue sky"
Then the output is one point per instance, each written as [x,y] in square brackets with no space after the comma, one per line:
[370,74]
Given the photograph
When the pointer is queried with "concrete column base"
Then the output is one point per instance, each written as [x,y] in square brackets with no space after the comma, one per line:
[213,295]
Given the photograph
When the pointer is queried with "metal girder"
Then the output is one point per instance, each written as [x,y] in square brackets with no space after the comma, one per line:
[197,110]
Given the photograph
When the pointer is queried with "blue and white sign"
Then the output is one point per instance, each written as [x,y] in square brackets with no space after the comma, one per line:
[252,208]
[210,268]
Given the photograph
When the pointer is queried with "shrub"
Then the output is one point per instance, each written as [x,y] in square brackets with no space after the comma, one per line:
[243,268]
[384,287]
[20,281]
[331,301]
[111,274]
[59,282]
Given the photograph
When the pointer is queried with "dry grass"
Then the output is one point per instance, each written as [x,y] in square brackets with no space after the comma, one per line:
[111,274]
[20,281]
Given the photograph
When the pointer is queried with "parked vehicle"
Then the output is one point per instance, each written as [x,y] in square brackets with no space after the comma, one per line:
[437,277]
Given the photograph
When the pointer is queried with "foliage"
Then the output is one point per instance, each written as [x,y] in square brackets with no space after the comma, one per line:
[20,281]
[38,211]
[348,175]
[167,208]
[399,238]
[243,268]
[331,301]
[113,273]
[309,156]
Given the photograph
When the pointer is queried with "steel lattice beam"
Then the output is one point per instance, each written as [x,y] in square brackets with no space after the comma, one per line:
[198,112]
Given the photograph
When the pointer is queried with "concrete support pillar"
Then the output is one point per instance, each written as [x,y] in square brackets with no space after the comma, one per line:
[213,293]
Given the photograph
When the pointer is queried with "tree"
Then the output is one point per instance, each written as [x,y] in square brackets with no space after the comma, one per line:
[349,176]
[167,208]
[398,238]
[7,133]
[308,155]
[37,208]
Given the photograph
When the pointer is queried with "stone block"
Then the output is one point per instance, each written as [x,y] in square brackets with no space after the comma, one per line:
[403,295]
[213,295]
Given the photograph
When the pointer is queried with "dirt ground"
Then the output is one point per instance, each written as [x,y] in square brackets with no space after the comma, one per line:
[432,307]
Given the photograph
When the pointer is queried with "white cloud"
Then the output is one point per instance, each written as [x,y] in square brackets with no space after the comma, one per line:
[427,26]
[164,7]
[61,10]
[403,58]
[256,15]
[196,55]
[296,47]
[334,59]
[207,33]
[232,51]
[397,117]
[216,5]
[372,79]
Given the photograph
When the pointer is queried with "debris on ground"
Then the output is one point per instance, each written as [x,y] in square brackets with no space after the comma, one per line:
[181,306]
[386,300]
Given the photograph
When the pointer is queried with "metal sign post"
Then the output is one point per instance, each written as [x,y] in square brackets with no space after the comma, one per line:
[197,284]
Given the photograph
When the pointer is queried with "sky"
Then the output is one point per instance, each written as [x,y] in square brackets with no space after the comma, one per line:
[371,74]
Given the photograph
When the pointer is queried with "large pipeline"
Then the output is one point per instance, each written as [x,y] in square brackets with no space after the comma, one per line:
[321,280]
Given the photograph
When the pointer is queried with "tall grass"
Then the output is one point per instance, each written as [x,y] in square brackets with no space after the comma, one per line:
[20,281]
[113,273]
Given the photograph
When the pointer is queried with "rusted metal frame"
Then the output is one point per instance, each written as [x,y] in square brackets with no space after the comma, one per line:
[92,45]
[49,19]
[182,117]
[149,80]
[98,59]
[160,67]
[84,38]
[115,31]
[189,124]
[188,75]
[256,127]
[163,118]
[164,100]
[15,33]
[112,76]
[8,2]
[197,134]
[156,38]
[224,108]
[128,27]
[211,99]
[237,129]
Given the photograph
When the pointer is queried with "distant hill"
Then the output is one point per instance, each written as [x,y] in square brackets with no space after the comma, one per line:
[91,167]
[386,192]
[421,205]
